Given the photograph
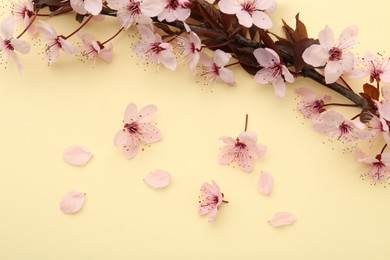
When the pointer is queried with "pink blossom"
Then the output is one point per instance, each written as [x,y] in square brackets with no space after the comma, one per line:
[243,150]
[132,12]
[311,106]
[335,57]
[93,7]
[378,125]
[137,128]
[333,124]
[273,71]
[378,166]
[191,47]
[154,49]
[23,10]
[54,43]
[215,67]
[249,12]
[210,199]
[9,44]
[93,49]
[175,10]
[378,68]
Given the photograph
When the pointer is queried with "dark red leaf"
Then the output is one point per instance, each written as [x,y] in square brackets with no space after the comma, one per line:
[268,42]
[300,29]
[365,116]
[290,33]
[371,91]
[210,14]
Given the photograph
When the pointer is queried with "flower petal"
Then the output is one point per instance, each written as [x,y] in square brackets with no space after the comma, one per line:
[77,155]
[326,38]
[279,87]
[333,71]
[131,113]
[227,154]
[149,133]
[265,182]
[7,27]
[72,202]
[262,20]
[315,55]
[147,113]
[158,179]
[221,58]
[266,57]
[226,76]
[229,6]
[282,219]
[244,18]
[348,37]
[93,6]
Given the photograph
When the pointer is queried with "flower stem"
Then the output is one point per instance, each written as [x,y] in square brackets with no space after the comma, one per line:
[383,149]
[232,64]
[78,29]
[246,123]
[29,25]
[341,105]
[112,37]
[225,201]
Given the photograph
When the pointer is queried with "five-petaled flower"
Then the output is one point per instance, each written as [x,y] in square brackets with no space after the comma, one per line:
[311,106]
[210,199]
[378,68]
[54,43]
[10,44]
[93,7]
[378,166]
[215,67]
[154,49]
[249,12]
[242,150]
[23,10]
[92,49]
[191,47]
[137,128]
[273,71]
[335,57]
[175,10]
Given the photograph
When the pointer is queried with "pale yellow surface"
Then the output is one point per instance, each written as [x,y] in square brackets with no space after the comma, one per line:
[49,108]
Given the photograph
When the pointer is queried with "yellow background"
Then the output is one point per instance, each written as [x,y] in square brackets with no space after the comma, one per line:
[47,109]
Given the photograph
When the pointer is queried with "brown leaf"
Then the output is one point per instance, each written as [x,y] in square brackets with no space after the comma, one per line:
[210,14]
[268,42]
[300,29]
[365,116]
[290,33]
[371,91]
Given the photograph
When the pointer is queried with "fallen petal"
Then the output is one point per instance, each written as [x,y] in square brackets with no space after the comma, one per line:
[77,155]
[282,219]
[265,183]
[72,202]
[158,179]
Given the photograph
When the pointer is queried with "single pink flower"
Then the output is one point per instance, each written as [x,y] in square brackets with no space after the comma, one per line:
[383,107]
[154,49]
[249,12]
[335,57]
[333,124]
[93,49]
[243,150]
[158,179]
[54,43]
[273,71]
[191,47]
[210,199]
[282,219]
[311,106]
[137,128]
[23,10]
[378,68]
[215,67]
[9,44]
[378,167]
[77,155]
[174,10]
[93,7]
[132,12]
[377,125]
[72,202]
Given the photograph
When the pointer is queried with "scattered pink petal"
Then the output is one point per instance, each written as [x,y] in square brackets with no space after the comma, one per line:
[158,179]
[282,219]
[265,183]
[72,202]
[77,155]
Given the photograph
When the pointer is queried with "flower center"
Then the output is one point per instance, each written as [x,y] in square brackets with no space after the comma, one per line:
[156,48]
[134,8]
[192,47]
[132,128]
[215,69]
[239,144]
[173,4]
[345,129]
[276,70]
[335,54]
[8,45]
[248,6]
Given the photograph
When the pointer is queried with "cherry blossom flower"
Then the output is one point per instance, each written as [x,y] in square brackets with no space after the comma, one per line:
[378,166]
[282,219]
[273,71]
[131,12]
[210,199]
[9,44]
[77,155]
[311,106]
[93,49]
[191,47]
[378,68]
[333,124]
[72,202]
[93,7]
[377,125]
[54,43]
[23,10]
[249,12]
[243,150]
[175,10]
[137,128]
[335,57]
[215,67]
[154,49]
